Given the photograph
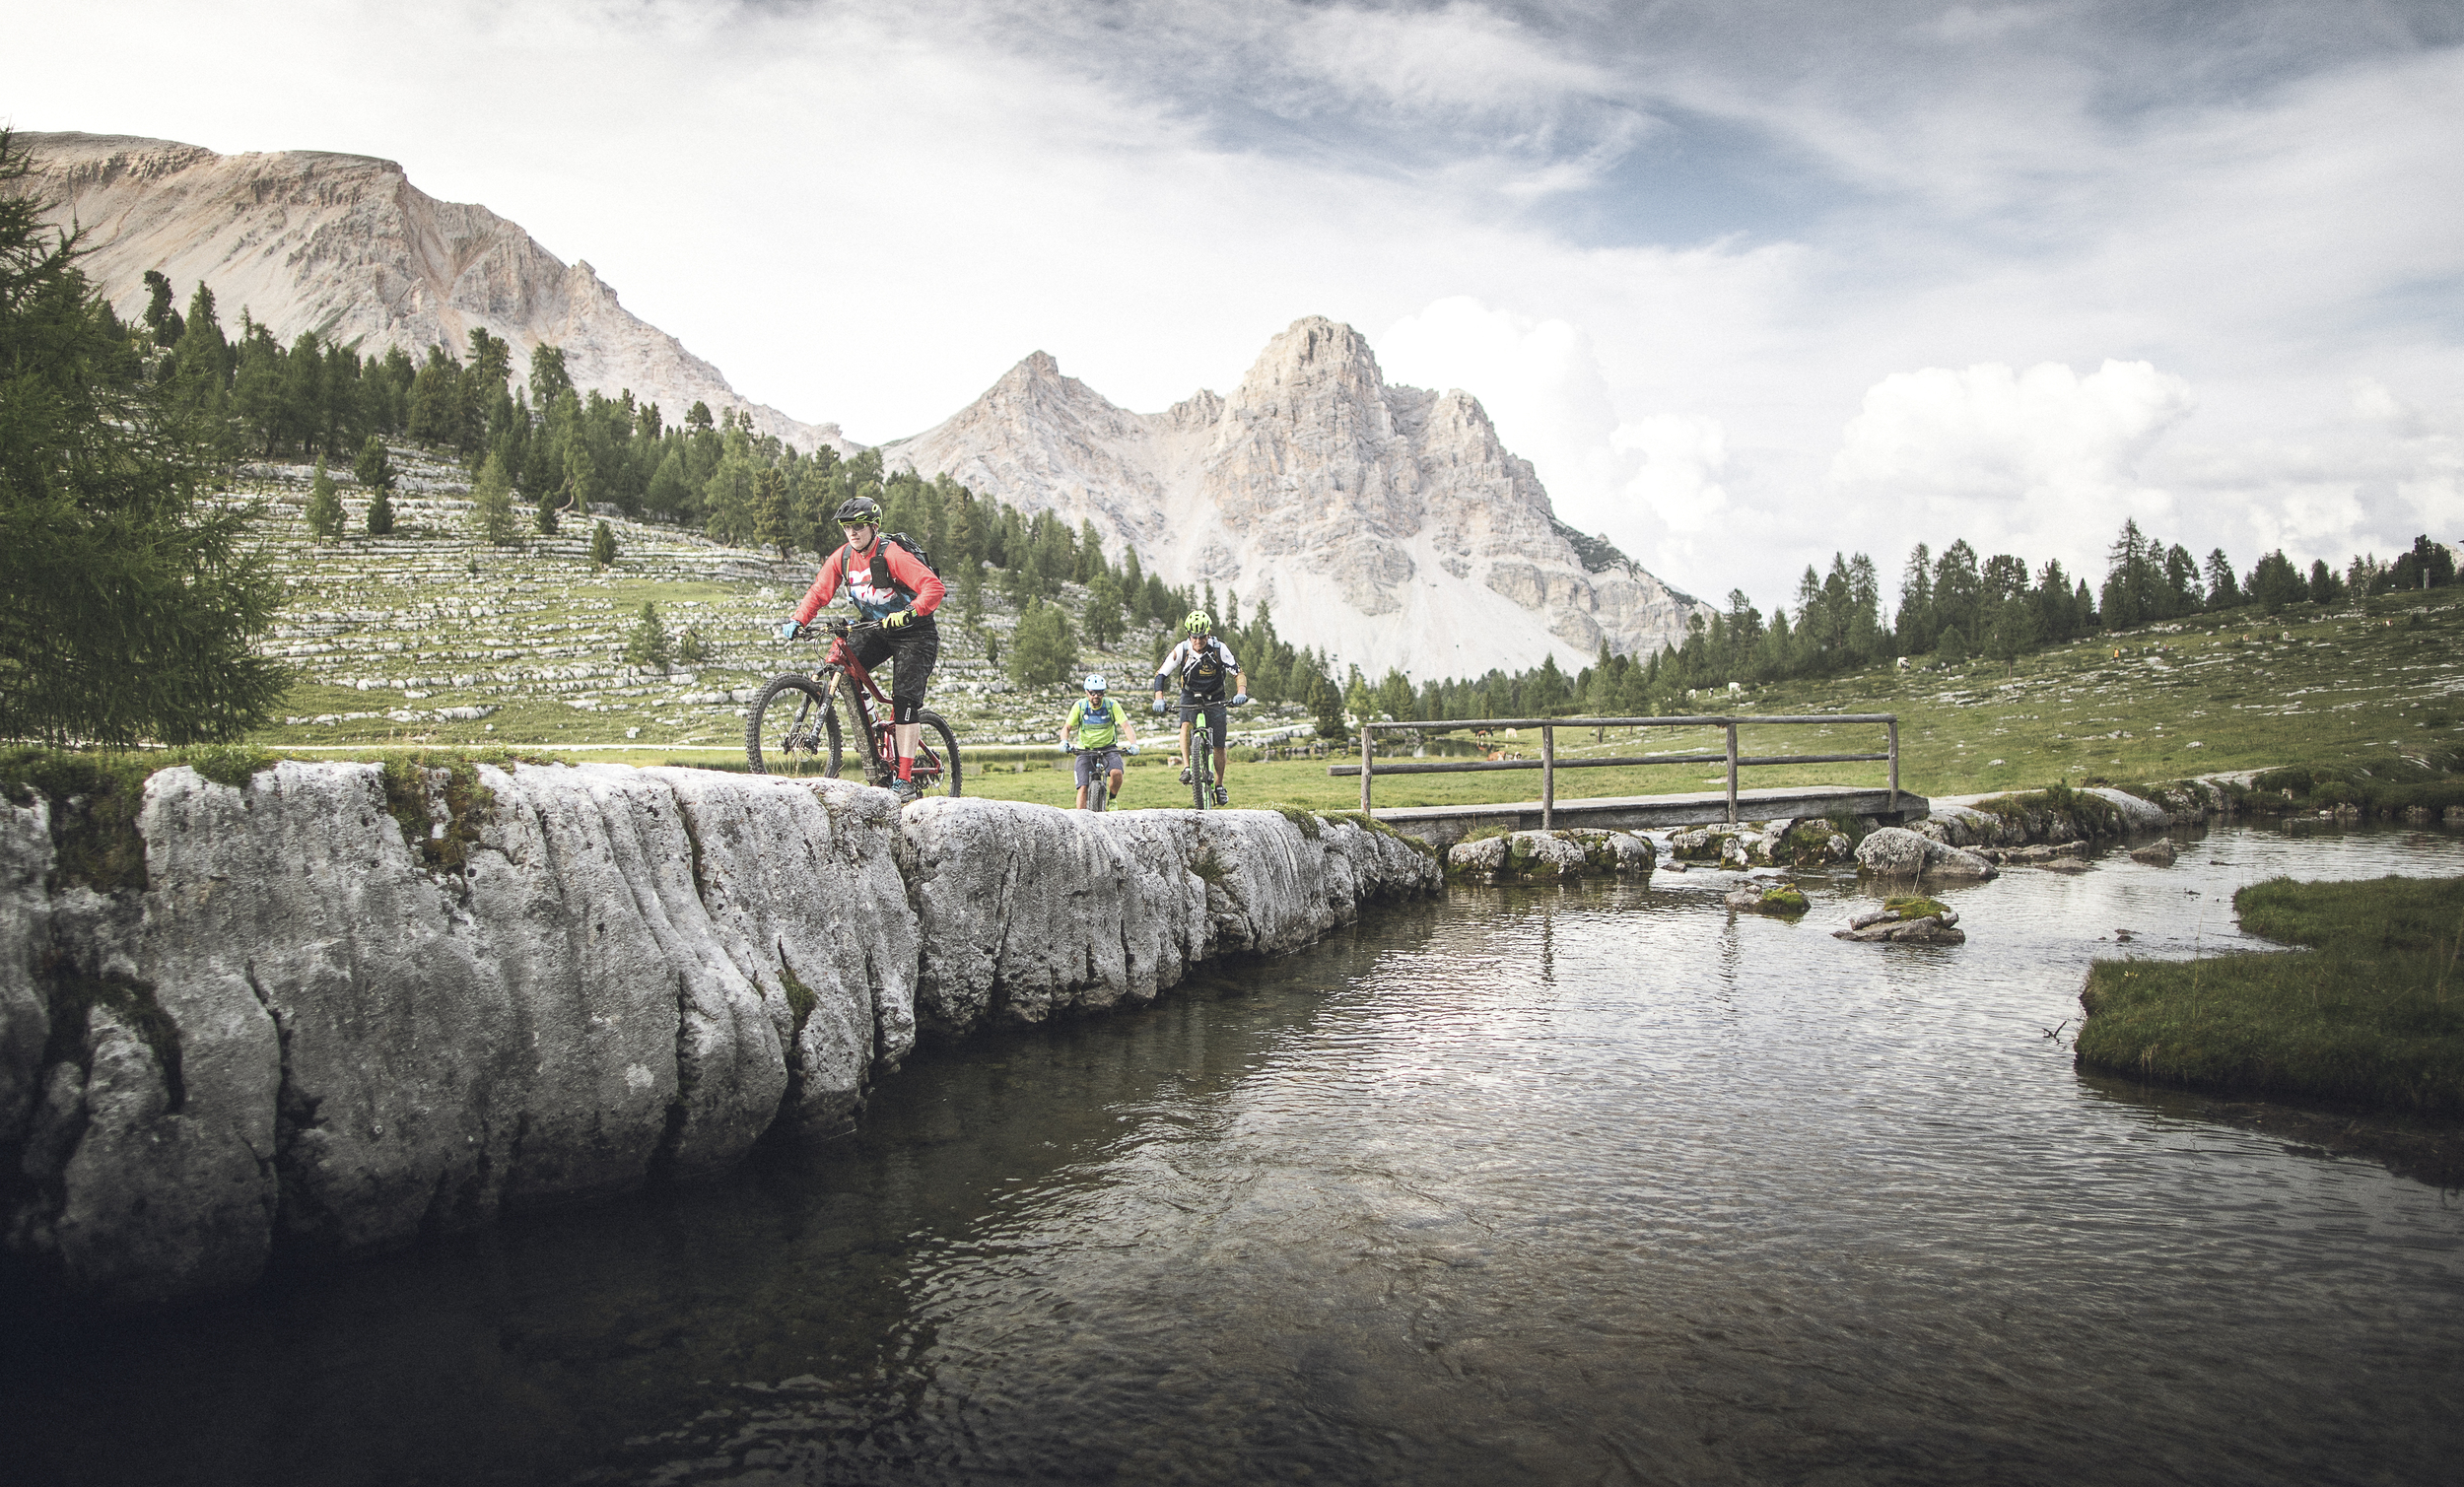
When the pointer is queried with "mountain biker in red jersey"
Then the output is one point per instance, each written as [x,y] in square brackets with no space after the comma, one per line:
[891,585]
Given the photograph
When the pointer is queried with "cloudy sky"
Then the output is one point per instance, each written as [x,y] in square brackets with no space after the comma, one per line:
[1749,281]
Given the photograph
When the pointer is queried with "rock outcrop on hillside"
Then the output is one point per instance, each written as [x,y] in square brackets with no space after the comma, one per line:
[1385,523]
[346,246]
[338,1015]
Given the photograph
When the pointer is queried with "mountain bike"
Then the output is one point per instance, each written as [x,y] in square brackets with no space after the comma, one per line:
[1099,790]
[1202,754]
[802,724]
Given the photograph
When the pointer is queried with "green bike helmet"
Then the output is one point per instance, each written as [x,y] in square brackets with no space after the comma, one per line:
[1199,622]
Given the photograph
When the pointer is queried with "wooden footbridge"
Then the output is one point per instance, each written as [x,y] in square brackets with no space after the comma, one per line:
[1444,825]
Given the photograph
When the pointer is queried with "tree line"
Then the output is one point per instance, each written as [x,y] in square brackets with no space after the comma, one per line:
[1951,607]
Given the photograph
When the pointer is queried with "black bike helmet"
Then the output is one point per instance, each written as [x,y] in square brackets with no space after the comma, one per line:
[858,510]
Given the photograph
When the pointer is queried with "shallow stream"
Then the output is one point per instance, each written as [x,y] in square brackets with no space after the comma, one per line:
[1591,1184]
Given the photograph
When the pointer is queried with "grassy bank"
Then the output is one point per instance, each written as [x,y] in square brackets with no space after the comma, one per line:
[2373,1016]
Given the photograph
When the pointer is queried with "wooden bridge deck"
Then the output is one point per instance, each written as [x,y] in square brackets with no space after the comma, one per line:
[1444,825]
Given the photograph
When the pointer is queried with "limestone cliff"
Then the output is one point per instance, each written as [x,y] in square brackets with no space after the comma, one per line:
[1387,523]
[313,1030]
[346,246]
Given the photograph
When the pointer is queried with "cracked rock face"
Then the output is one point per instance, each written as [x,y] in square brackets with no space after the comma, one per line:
[1391,524]
[1026,912]
[335,1020]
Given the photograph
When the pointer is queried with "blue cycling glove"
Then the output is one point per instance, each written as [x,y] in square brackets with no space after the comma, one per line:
[789,629]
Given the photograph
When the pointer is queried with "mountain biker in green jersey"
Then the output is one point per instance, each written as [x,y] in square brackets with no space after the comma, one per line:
[1098,722]
[1203,667]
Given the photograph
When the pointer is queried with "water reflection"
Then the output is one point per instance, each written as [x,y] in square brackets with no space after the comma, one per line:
[1596,1184]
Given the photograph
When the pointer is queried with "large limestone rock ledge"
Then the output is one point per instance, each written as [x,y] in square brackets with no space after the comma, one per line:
[334,1020]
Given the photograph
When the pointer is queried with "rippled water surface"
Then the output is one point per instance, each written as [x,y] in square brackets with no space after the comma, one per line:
[1593,1184]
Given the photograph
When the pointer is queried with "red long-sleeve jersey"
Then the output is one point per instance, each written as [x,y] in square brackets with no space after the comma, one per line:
[883,580]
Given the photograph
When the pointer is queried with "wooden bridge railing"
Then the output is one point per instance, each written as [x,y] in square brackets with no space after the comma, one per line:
[1548,764]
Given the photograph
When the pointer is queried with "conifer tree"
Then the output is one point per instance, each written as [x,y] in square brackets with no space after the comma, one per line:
[325,507]
[492,501]
[1102,611]
[381,513]
[603,547]
[548,378]
[1041,651]
[374,466]
[669,498]
[132,599]
[771,517]
[646,643]
[161,318]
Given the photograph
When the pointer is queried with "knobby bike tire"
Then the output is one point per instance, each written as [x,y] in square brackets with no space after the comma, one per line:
[1201,751]
[845,726]
[1099,792]
[783,732]
[947,748]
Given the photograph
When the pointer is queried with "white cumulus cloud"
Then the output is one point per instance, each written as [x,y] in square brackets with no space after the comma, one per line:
[2043,462]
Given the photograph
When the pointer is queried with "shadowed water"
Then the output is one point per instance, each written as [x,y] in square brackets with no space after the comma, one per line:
[1592,1184]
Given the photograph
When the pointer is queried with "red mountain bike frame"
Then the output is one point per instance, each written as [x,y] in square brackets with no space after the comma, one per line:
[880,739]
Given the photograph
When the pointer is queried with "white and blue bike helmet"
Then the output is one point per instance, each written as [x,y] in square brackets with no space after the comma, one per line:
[1094,681]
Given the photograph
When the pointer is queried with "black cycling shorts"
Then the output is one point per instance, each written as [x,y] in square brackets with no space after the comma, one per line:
[911,652]
[1212,709]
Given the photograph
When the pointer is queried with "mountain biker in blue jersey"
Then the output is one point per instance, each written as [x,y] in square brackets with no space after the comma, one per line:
[1203,667]
[1100,723]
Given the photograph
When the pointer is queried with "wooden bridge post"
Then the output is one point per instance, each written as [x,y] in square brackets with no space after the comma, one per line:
[1548,778]
[1731,772]
[1893,726]
[1364,768]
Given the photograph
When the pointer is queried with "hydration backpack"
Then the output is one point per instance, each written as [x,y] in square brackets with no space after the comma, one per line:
[913,550]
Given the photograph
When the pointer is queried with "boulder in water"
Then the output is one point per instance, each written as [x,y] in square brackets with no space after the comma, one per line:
[1532,857]
[1897,852]
[1907,921]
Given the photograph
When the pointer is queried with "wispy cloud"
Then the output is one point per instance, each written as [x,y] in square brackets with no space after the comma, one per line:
[1696,256]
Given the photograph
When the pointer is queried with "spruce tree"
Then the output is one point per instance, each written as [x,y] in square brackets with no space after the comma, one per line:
[771,515]
[492,501]
[132,599]
[374,466]
[1102,611]
[381,513]
[1041,653]
[603,547]
[325,507]
[646,643]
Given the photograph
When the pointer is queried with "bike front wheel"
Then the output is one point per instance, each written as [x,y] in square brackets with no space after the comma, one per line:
[1201,776]
[784,733]
[847,741]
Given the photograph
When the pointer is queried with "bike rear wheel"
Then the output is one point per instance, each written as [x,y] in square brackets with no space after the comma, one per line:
[785,732]
[937,755]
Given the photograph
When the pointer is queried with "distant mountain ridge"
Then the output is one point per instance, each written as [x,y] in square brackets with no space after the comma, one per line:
[344,245]
[1385,523]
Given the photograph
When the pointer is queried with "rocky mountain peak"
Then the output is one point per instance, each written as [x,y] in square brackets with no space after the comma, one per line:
[346,246]
[1388,524]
